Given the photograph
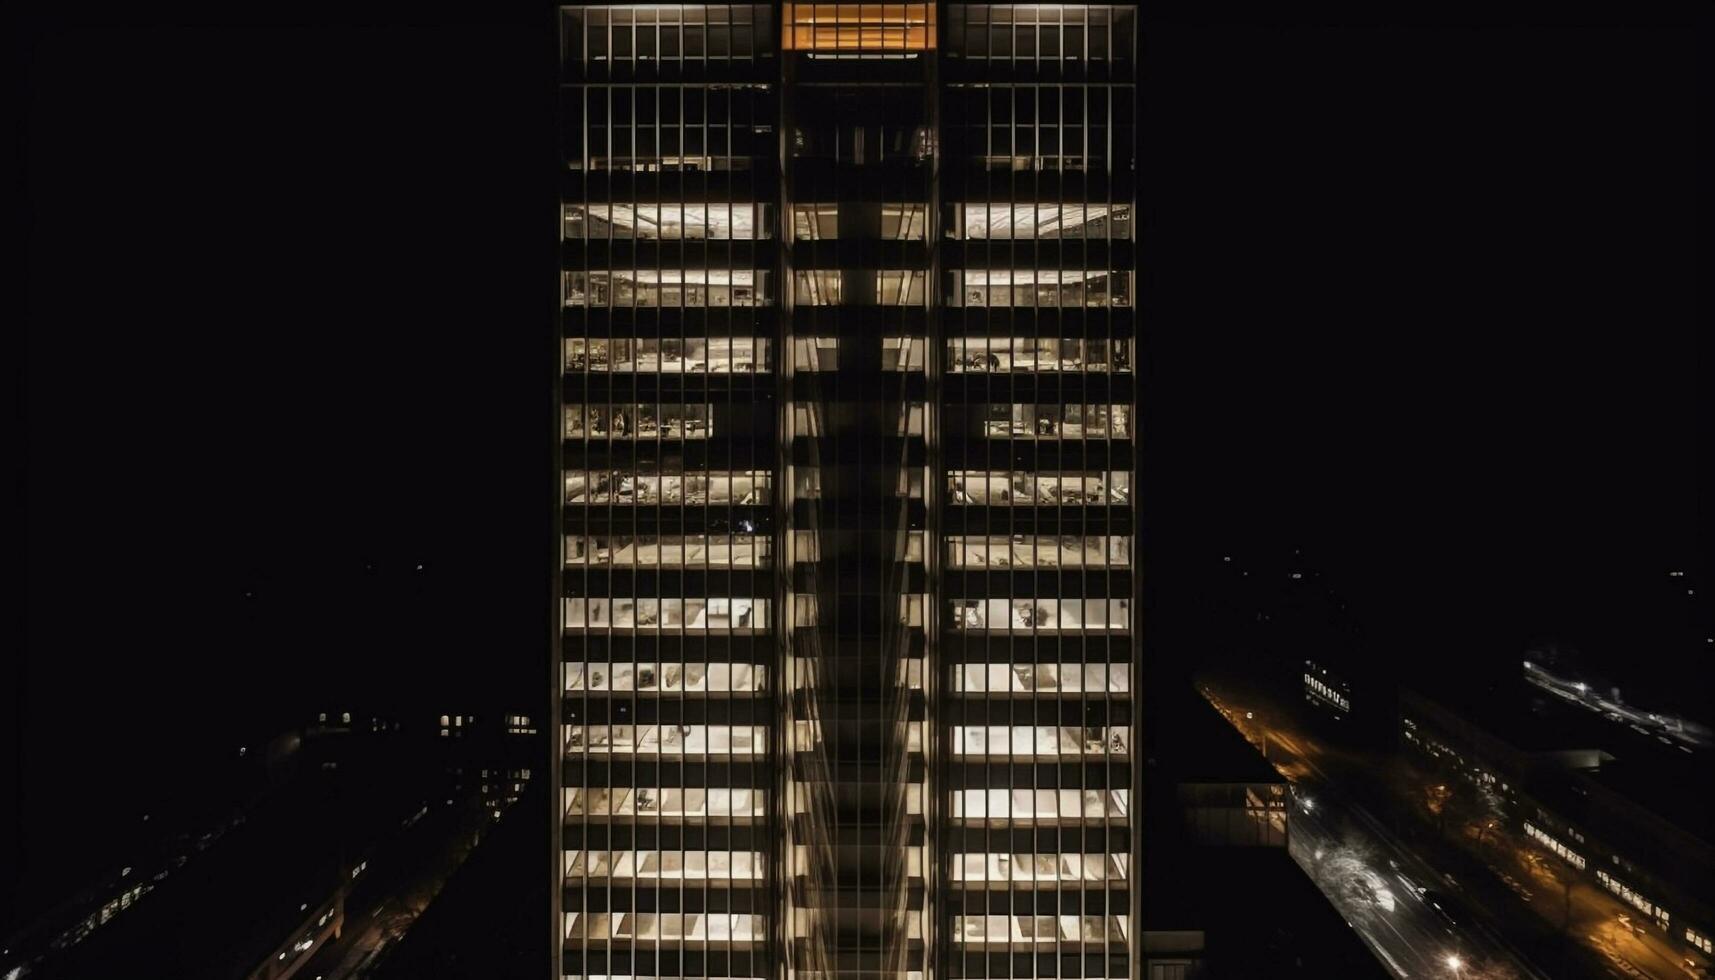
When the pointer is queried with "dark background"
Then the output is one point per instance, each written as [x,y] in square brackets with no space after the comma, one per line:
[1422,296]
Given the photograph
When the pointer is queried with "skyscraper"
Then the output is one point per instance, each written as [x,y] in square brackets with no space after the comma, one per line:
[847,446]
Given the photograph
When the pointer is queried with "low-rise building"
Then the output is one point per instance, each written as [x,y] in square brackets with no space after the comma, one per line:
[1615,808]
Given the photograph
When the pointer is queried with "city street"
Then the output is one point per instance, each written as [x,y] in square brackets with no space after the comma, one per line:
[385,911]
[1382,889]
[1521,896]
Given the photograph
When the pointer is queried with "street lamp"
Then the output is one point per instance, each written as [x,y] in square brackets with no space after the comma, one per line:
[1455,964]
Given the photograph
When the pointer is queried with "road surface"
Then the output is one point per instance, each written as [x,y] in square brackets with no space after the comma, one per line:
[1374,881]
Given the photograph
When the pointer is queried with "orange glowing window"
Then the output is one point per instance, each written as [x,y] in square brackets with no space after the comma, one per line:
[855,27]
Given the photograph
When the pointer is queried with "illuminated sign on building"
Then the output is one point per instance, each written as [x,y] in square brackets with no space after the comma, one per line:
[1320,686]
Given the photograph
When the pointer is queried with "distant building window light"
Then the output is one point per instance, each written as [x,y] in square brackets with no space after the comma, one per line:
[1565,853]
[1631,897]
[1326,692]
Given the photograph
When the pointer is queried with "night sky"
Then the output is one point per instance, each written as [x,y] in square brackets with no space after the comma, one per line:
[1424,297]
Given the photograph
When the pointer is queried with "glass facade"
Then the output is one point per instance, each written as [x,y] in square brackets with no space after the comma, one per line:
[846,426]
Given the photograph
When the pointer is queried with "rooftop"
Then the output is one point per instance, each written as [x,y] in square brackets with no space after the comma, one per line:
[1189,742]
[1635,767]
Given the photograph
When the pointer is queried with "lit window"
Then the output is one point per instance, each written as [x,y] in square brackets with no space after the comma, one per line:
[673,222]
[720,615]
[1038,287]
[1004,930]
[667,287]
[717,355]
[1038,551]
[813,222]
[713,866]
[671,550]
[874,28]
[905,222]
[639,421]
[902,353]
[992,868]
[1042,678]
[1040,741]
[1041,807]
[1041,221]
[815,287]
[666,740]
[814,354]
[1561,850]
[1041,615]
[1024,488]
[654,485]
[712,928]
[1015,421]
[1030,355]
[670,678]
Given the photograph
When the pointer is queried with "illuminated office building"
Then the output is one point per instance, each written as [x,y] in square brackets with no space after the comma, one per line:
[847,620]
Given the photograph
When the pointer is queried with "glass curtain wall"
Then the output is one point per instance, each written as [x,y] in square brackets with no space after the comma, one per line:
[670,619]
[847,503]
[1038,633]
[859,207]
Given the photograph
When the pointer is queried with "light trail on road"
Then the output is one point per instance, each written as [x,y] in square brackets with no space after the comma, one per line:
[1682,733]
